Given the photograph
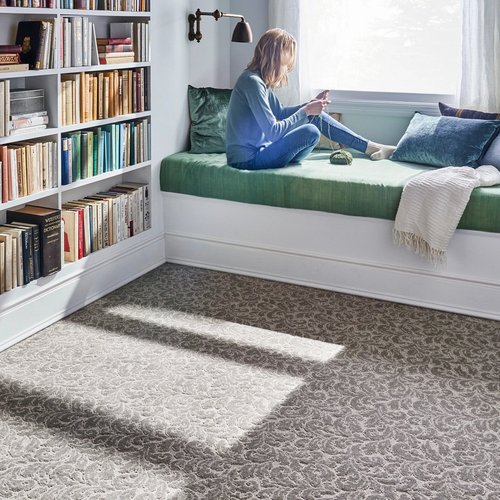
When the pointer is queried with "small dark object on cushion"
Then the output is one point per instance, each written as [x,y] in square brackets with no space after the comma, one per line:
[341,157]
[467,113]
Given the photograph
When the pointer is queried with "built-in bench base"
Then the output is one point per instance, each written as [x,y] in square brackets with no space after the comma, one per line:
[348,254]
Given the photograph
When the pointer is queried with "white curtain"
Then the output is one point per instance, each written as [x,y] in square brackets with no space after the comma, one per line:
[480,82]
[289,15]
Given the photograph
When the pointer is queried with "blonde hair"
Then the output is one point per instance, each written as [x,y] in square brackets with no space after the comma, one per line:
[268,57]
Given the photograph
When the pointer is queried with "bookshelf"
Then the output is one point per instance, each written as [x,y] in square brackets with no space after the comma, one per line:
[29,308]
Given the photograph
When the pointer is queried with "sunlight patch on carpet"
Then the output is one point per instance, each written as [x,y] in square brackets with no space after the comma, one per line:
[163,388]
[268,340]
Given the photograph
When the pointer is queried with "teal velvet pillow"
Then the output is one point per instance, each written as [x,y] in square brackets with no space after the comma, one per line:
[492,155]
[208,113]
[444,141]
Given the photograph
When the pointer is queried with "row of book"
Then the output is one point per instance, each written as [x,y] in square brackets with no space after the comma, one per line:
[30,246]
[114,5]
[27,168]
[44,4]
[35,239]
[104,219]
[95,96]
[78,42]
[93,152]
[127,42]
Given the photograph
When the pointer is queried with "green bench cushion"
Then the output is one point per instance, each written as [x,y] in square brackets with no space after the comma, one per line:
[365,188]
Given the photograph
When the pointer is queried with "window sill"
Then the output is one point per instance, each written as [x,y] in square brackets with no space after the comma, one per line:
[385,108]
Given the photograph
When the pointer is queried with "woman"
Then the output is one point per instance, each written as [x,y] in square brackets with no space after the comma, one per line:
[261,133]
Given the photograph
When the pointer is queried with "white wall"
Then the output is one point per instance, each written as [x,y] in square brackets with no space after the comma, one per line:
[256,13]
[179,62]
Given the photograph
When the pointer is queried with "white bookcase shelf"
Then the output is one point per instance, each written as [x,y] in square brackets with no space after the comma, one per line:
[100,177]
[107,121]
[29,308]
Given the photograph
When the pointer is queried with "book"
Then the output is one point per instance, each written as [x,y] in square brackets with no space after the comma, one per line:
[116,60]
[29,122]
[10,49]
[114,41]
[116,55]
[49,222]
[2,267]
[11,68]
[115,48]
[10,59]
[70,219]
[25,253]
[6,238]
[17,254]
[34,264]
[29,37]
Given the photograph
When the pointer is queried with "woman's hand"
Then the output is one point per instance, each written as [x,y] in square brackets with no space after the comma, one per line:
[315,107]
[323,96]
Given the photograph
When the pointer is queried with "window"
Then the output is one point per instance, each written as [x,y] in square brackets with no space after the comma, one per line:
[409,47]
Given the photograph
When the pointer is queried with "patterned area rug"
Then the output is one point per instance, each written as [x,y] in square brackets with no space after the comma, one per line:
[194,384]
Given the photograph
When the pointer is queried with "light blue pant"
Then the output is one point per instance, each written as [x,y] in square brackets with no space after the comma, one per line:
[296,145]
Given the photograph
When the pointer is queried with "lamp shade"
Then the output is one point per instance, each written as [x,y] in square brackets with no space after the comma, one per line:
[242,33]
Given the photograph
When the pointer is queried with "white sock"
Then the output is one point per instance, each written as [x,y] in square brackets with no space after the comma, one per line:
[378,151]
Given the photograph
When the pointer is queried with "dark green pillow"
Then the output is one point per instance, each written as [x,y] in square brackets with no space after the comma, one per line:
[444,141]
[208,112]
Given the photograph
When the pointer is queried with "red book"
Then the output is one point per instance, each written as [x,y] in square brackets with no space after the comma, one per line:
[10,49]
[5,174]
[114,41]
[116,48]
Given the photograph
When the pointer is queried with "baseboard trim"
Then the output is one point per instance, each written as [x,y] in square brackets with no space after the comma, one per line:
[76,289]
[396,284]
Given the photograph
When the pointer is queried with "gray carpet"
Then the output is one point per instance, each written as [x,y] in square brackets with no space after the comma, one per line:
[190,383]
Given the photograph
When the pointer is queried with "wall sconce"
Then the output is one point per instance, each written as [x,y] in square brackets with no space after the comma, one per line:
[242,31]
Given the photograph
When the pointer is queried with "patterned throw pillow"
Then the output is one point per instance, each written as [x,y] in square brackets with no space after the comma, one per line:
[492,155]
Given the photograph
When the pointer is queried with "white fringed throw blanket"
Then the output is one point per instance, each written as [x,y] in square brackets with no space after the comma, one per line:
[432,204]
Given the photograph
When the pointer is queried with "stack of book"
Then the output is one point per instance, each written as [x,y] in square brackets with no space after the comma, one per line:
[30,246]
[27,111]
[10,59]
[115,50]
[44,4]
[104,219]
[36,39]
[138,33]
[115,5]
[96,96]
[27,168]
[112,147]
[78,42]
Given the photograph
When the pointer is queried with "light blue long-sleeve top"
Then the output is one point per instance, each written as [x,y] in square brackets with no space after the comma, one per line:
[256,118]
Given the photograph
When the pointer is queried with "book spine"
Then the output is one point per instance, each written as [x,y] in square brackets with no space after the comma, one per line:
[10,49]
[9,59]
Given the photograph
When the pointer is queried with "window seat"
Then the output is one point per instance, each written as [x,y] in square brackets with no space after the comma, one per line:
[329,227]
[365,188]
